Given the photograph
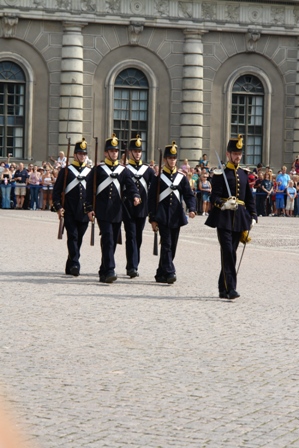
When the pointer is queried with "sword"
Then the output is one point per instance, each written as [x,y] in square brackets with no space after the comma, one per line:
[224,175]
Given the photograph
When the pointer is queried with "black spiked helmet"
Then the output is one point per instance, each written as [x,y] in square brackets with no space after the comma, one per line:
[81,146]
[171,150]
[235,144]
[111,143]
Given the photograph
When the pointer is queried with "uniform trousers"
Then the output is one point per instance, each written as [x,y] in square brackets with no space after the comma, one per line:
[133,228]
[229,242]
[169,241]
[109,236]
[75,232]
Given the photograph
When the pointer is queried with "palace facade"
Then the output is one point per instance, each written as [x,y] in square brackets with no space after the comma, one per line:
[196,72]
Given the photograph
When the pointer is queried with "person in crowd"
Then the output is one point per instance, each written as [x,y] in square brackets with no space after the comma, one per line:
[134,217]
[233,213]
[266,192]
[259,194]
[279,198]
[295,165]
[205,189]
[69,204]
[48,181]
[196,177]
[61,159]
[257,169]
[152,164]
[5,181]
[20,177]
[111,178]
[34,182]
[284,178]
[26,204]
[296,185]
[203,161]
[185,166]
[291,196]
[166,213]
[13,201]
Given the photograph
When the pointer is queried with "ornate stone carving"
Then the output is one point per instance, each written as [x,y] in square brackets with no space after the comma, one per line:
[232,12]
[255,14]
[137,6]
[39,3]
[277,15]
[11,2]
[9,25]
[185,9]
[162,7]
[251,39]
[135,29]
[63,4]
[296,15]
[209,11]
[113,6]
[88,5]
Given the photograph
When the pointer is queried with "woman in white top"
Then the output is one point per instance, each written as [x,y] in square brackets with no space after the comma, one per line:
[47,183]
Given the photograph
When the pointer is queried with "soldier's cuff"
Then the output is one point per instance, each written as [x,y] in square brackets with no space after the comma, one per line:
[87,208]
[56,206]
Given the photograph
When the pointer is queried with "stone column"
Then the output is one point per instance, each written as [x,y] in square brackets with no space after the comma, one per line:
[192,105]
[71,87]
[296,121]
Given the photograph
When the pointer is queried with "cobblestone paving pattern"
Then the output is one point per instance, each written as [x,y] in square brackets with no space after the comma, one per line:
[140,364]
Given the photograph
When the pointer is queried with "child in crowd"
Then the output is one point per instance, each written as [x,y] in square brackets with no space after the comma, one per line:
[291,196]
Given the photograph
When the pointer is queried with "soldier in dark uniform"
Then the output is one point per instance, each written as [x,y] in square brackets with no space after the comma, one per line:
[233,213]
[134,217]
[166,212]
[75,220]
[110,181]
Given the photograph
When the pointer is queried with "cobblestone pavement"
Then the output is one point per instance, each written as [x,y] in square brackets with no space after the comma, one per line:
[140,364]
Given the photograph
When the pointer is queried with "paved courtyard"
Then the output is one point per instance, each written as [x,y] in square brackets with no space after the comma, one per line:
[140,364]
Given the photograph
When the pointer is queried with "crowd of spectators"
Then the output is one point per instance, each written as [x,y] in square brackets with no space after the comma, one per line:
[275,194]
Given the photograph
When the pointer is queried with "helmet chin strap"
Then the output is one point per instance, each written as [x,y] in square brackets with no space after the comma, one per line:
[76,158]
[167,165]
[112,161]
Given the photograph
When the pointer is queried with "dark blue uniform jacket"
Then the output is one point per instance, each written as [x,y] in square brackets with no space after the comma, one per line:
[235,220]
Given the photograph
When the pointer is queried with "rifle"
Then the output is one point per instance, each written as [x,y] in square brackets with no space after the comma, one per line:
[94,179]
[155,249]
[119,237]
[61,220]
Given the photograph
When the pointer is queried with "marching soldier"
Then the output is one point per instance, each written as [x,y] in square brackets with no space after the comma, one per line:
[111,178]
[166,212]
[134,217]
[75,220]
[233,213]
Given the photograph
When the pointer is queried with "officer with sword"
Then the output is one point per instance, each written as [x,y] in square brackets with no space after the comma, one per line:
[233,213]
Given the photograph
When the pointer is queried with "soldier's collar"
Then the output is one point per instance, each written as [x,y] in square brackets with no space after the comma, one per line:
[110,163]
[133,162]
[167,170]
[75,163]
[231,166]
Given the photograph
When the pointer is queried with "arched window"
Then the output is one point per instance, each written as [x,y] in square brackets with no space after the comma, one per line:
[12,109]
[130,116]
[247,116]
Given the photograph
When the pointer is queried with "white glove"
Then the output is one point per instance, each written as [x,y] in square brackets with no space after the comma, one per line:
[253,222]
[230,204]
